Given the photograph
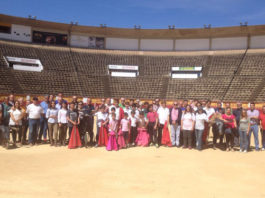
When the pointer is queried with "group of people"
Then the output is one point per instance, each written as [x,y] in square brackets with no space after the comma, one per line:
[122,124]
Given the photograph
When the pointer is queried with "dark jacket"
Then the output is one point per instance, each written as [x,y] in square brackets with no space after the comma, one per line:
[179,116]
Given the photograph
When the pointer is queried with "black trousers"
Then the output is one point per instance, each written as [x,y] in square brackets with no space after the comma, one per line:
[229,137]
[187,138]
[152,132]
[133,134]
[159,136]
[90,127]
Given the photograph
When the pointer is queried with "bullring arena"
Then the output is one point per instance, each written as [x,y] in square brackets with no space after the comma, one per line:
[230,63]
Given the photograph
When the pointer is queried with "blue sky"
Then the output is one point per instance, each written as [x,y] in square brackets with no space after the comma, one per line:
[150,14]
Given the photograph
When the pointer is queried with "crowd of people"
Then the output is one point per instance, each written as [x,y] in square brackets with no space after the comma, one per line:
[128,123]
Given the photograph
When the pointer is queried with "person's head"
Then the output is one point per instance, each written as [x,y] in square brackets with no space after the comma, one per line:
[108,101]
[80,105]
[157,101]
[244,113]
[163,104]
[53,104]
[138,101]
[28,102]
[185,103]
[122,101]
[141,114]
[116,103]
[46,98]
[227,105]
[113,116]
[103,100]
[60,95]
[74,98]
[200,110]
[51,97]
[199,104]
[239,105]
[102,108]
[113,110]
[150,108]
[125,115]
[228,111]
[134,106]
[17,105]
[89,101]
[131,102]
[64,105]
[60,99]
[72,105]
[132,113]
[188,109]
[175,104]
[203,103]
[146,104]
[127,106]
[35,100]
[219,104]
[181,103]
[21,101]
[11,97]
[208,103]
[252,105]
[6,99]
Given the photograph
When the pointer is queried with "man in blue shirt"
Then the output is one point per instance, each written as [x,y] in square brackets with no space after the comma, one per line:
[43,121]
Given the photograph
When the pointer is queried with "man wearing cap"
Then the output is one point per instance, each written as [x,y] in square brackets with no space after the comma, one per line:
[35,112]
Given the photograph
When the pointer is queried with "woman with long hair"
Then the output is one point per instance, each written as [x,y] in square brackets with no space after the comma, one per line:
[187,127]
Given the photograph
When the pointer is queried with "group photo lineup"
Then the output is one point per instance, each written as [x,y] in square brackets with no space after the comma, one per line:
[132,98]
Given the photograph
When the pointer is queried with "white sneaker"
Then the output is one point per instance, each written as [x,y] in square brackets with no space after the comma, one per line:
[245,151]
[263,149]
[240,151]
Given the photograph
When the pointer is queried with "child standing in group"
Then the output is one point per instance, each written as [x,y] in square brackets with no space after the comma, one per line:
[142,137]
[125,126]
[133,128]
[112,144]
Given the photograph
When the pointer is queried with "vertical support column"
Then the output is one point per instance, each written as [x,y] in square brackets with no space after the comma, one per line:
[210,43]
[248,41]
[139,44]
[174,44]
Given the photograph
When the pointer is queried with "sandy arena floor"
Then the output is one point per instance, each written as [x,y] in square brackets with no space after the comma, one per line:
[44,171]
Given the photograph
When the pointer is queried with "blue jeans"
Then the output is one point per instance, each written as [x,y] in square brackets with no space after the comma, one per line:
[198,134]
[33,130]
[243,140]
[43,128]
[175,133]
[255,130]
[5,132]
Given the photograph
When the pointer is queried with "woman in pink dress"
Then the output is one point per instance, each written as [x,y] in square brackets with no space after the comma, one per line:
[142,138]
[112,144]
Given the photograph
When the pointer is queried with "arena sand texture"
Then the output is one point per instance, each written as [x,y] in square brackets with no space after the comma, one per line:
[44,171]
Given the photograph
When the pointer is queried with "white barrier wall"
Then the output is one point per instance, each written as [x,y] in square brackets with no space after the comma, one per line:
[155,44]
[229,43]
[192,44]
[257,42]
[21,33]
[121,44]
[79,41]
[5,36]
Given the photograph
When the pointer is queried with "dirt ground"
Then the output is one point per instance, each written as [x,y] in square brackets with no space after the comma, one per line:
[44,171]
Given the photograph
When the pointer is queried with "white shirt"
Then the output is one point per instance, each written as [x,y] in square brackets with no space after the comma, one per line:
[34,111]
[133,121]
[187,120]
[52,112]
[117,111]
[62,116]
[209,111]
[127,111]
[163,114]
[199,121]
[101,117]
[136,113]
[17,113]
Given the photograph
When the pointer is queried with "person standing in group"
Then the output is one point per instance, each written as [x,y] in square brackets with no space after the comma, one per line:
[253,115]
[43,120]
[200,119]
[209,112]
[15,122]
[72,118]
[4,122]
[237,113]
[187,127]
[89,110]
[142,138]
[125,126]
[62,120]
[244,127]
[175,114]
[229,125]
[133,124]
[102,120]
[262,127]
[112,143]
[163,116]
[52,116]
[152,118]
[34,111]
[218,124]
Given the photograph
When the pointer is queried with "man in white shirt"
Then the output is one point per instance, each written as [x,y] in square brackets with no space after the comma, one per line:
[34,111]
[209,112]
[163,117]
